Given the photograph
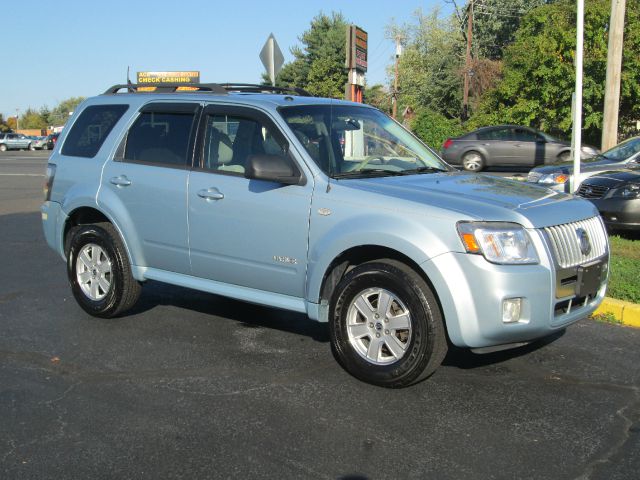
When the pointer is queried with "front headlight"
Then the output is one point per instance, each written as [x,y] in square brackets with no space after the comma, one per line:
[553,178]
[629,192]
[499,242]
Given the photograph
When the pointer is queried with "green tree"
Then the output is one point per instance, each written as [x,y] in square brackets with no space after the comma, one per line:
[32,120]
[539,74]
[429,70]
[377,96]
[60,114]
[45,113]
[495,23]
[318,65]
[11,123]
[433,128]
[3,125]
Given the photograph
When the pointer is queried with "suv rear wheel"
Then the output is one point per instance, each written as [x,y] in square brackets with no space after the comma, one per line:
[386,326]
[99,271]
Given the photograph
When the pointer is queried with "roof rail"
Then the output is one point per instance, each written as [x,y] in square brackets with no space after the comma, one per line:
[168,88]
[215,88]
[255,88]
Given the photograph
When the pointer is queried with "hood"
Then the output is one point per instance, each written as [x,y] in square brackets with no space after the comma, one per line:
[596,164]
[481,197]
[615,178]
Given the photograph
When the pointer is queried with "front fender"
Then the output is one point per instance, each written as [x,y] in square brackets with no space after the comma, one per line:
[407,235]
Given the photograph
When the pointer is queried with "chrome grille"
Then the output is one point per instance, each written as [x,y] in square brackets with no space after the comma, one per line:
[592,191]
[566,243]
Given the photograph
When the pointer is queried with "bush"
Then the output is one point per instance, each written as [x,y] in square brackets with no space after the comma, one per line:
[434,128]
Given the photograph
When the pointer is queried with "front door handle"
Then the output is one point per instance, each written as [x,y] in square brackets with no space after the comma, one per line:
[121,181]
[211,193]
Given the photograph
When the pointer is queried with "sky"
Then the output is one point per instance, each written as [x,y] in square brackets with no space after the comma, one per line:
[56,50]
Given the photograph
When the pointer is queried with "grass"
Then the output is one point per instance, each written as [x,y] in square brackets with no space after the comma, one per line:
[624,279]
[606,318]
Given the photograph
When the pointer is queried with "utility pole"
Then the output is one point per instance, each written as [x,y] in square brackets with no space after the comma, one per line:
[614,66]
[394,112]
[467,68]
[17,116]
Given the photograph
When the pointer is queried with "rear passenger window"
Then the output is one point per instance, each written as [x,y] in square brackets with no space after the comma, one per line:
[91,129]
[496,134]
[160,137]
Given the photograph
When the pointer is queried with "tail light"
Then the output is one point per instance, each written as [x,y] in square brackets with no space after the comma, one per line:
[48,181]
[447,143]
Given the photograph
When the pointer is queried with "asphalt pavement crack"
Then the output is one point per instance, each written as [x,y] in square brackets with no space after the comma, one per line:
[624,435]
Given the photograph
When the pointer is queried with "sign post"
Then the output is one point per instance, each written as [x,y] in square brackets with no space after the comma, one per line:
[272,58]
[356,62]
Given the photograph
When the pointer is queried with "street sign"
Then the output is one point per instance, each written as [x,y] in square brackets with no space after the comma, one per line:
[272,58]
[357,40]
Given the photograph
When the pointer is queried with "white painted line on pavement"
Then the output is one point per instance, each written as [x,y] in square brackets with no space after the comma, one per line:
[21,174]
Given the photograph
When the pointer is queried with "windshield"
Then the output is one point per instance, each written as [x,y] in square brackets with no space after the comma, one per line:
[351,141]
[624,150]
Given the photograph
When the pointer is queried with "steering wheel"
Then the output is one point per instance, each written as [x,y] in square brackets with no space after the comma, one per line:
[366,161]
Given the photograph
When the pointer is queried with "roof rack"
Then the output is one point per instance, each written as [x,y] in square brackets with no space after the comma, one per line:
[168,88]
[215,88]
[255,88]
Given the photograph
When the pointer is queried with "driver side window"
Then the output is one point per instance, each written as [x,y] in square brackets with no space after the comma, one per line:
[230,140]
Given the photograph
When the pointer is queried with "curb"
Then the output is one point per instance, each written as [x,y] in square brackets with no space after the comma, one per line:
[626,312]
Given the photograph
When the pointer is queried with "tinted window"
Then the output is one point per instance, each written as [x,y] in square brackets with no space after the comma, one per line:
[525,135]
[230,140]
[158,137]
[91,129]
[496,134]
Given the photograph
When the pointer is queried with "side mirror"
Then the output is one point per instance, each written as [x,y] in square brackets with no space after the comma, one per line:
[272,168]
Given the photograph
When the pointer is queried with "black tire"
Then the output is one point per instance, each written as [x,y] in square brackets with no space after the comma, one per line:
[123,290]
[473,161]
[31,147]
[426,346]
[563,157]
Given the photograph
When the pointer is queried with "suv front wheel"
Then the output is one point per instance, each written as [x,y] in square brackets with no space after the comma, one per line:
[386,326]
[99,271]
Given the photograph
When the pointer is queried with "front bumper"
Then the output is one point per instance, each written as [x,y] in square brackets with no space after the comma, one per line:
[472,290]
[619,213]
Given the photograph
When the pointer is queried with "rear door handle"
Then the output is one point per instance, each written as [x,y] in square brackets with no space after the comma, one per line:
[121,181]
[211,193]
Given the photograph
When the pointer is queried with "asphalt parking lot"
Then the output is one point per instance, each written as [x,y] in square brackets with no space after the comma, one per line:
[191,385]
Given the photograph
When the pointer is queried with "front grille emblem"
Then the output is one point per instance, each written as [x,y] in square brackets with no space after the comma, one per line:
[583,241]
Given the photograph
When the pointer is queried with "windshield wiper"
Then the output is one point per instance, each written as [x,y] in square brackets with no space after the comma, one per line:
[369,172]
[423,170]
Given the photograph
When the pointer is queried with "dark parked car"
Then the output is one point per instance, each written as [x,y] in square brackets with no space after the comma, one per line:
[557,177]
[617,196]
[507,145]
[51,141]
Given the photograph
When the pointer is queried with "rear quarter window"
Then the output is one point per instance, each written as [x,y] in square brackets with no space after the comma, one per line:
[91,129]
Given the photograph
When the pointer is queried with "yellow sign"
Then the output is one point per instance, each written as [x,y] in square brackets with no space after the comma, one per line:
[159,78]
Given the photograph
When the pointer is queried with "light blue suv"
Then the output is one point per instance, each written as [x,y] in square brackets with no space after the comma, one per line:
[319,206]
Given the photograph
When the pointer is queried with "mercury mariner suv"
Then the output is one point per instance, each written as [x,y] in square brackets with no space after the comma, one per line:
[320,206]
